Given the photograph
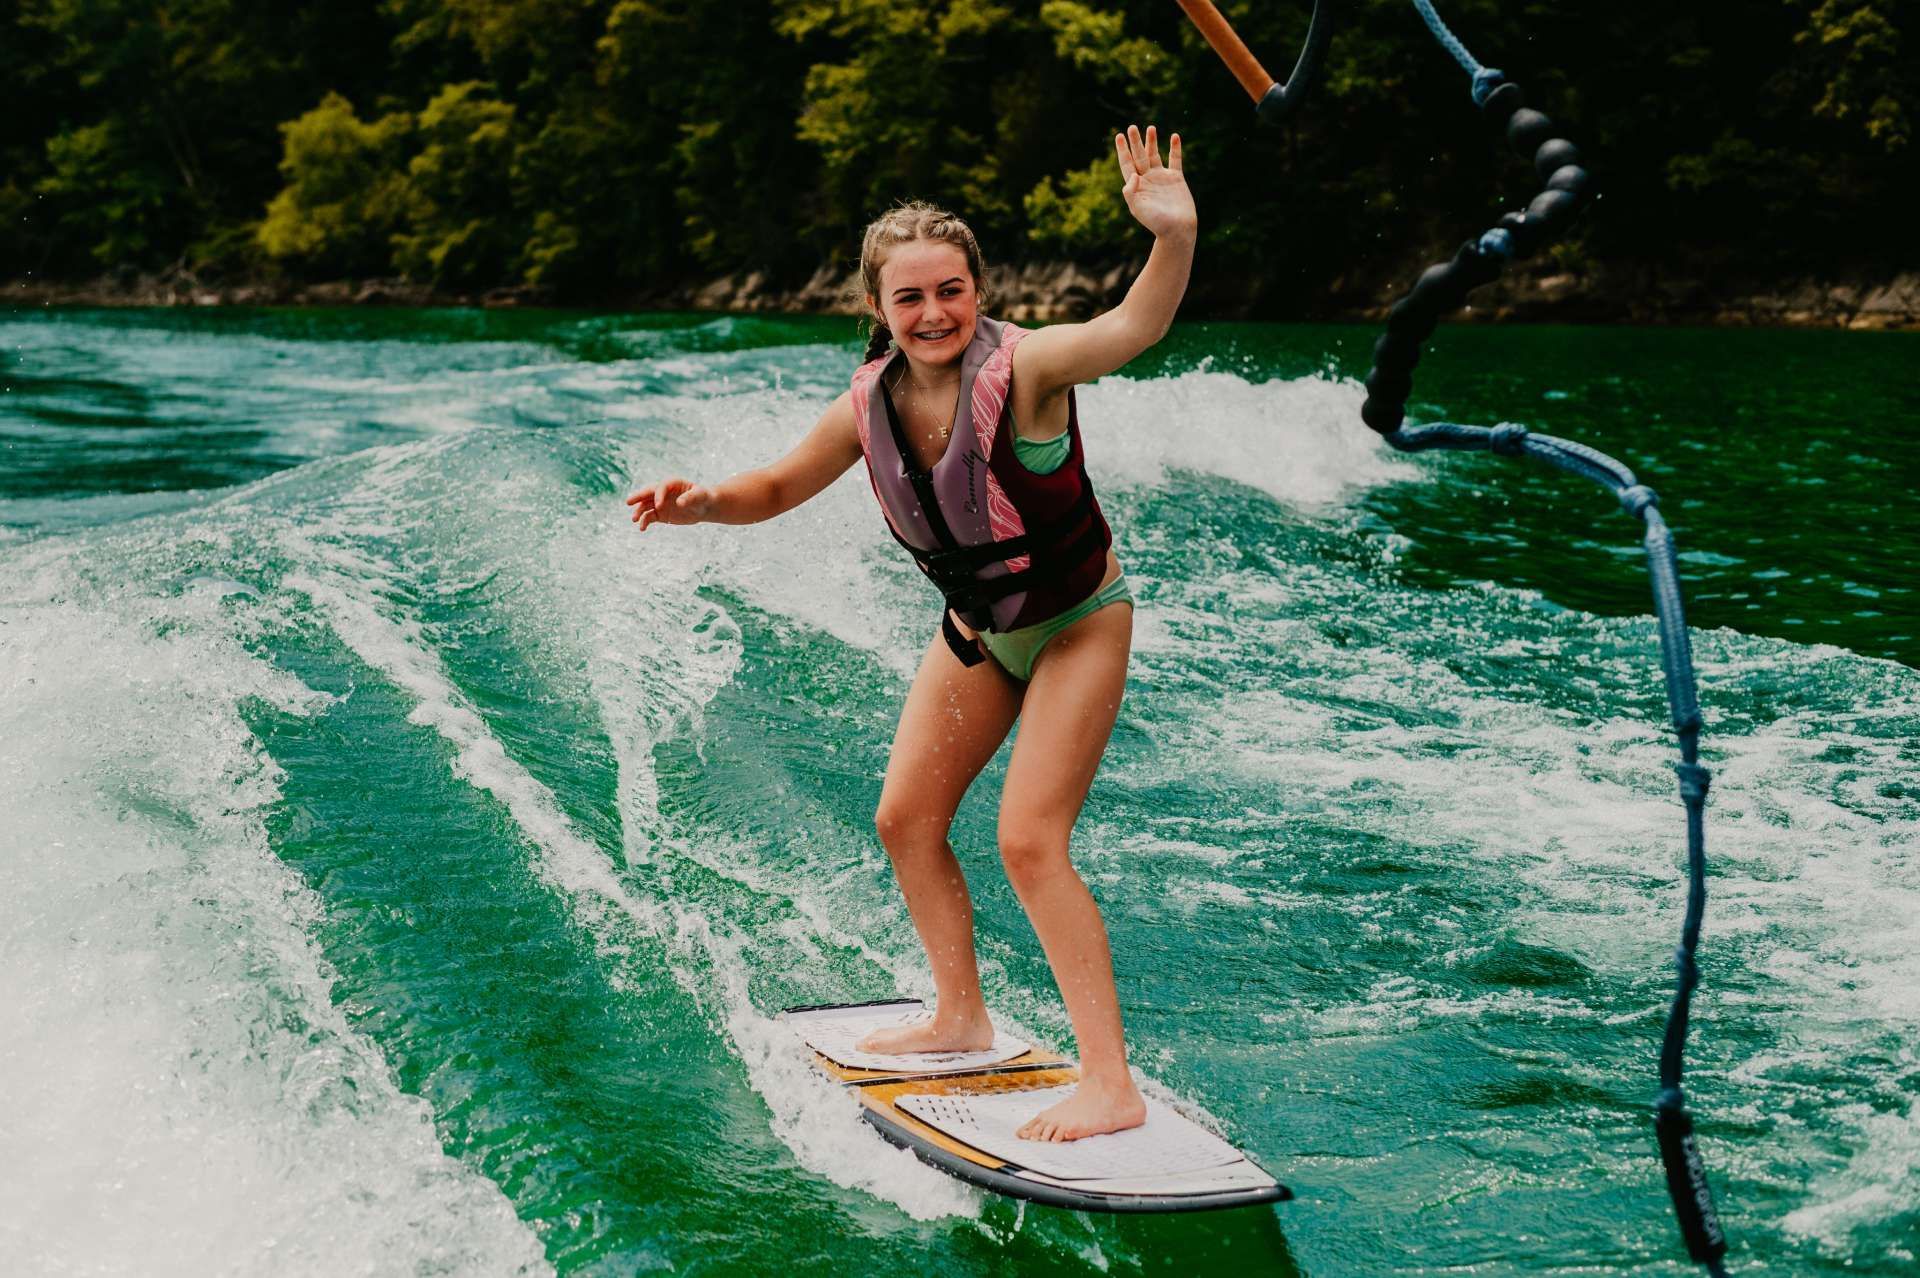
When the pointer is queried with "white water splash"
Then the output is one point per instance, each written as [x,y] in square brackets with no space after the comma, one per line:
[183,1095]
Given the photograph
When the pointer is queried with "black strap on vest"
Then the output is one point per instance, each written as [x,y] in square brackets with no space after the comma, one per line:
[963,561]
[967,650]
[954,568]
[922,480]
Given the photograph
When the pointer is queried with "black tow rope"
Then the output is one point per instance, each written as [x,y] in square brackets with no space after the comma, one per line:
[1567,189]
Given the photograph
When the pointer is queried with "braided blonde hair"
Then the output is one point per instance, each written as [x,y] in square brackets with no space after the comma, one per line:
[903,224]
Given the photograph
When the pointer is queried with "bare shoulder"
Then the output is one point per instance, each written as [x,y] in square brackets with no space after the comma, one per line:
[837,428]
[1043,362]
[840,411]
[1043,373]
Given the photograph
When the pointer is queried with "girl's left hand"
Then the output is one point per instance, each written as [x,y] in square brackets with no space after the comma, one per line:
[1156,193]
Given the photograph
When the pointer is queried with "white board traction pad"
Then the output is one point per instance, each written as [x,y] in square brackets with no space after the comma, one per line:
[960,1118]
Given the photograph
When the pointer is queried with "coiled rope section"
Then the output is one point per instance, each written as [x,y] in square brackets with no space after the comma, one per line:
[1567,188]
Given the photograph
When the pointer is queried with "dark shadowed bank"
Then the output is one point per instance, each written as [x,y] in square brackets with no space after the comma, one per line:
[1050,291]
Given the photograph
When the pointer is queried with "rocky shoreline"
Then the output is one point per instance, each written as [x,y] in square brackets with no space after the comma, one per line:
[1046,291]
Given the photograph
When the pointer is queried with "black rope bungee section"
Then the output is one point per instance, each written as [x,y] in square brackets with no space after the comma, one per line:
[1566,189]
[1444,287]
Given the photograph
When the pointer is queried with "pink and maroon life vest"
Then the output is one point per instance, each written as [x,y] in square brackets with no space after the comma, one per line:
[1007,548]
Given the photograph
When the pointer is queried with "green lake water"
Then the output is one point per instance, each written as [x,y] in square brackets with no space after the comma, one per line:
[401,860]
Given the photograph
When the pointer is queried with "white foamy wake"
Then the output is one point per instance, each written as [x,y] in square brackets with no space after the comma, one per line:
[182,1095]
[659,652]
[1874,1186]
[191,1100]
[1298,441]
[166,1010]
[1815,855]
[652,684]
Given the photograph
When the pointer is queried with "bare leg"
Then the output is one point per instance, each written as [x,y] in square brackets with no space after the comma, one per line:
[953,721]
[1071,704]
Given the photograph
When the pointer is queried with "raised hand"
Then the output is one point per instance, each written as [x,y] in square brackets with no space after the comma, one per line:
[1156,193]
[671,501]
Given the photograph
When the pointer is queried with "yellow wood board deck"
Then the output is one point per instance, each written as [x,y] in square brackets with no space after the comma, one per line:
[1017,1075]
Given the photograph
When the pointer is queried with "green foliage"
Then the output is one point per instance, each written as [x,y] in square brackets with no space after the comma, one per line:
[156,125]
[1857,43]
[497,29]
[118,205]
[566,177]
[460,227]
[1093,40]
[130,183]
[346,193]
[889,116]
[708,176]
[1083,213]
[596,148]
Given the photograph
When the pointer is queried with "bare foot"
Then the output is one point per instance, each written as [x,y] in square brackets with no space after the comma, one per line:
[1088,1112]
[931,1035]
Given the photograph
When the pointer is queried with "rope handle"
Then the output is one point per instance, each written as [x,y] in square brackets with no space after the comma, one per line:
[1272,99]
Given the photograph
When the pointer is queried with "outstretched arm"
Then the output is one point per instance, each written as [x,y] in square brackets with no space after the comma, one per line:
[1062,356]
[751,496]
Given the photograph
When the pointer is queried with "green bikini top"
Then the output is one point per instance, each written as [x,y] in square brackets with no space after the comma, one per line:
[1042,456]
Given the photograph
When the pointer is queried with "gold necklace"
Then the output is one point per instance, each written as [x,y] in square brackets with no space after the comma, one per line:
[906,376]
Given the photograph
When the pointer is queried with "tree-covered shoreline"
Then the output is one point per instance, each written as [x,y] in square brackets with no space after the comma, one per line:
[600,151]
[1063,290]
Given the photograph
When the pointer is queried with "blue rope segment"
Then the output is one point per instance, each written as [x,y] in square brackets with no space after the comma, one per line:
[1485,79]
[1673,1126]
[1444,287]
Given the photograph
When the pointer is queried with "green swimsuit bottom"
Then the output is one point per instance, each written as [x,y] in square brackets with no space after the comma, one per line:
[1017,650]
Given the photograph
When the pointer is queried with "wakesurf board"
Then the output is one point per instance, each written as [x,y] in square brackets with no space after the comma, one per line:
[958,1111]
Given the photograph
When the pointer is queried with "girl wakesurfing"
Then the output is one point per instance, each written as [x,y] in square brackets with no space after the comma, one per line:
[972,442]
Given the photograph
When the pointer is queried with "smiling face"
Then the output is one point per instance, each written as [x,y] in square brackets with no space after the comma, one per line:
[929,299]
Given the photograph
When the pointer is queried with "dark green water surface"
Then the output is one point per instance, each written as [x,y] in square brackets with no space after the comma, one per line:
[403,859]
